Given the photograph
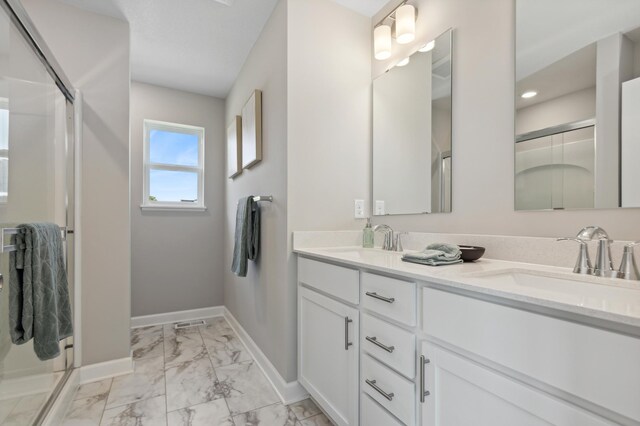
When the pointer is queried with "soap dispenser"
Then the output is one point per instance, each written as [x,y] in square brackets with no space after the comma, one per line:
[367,235]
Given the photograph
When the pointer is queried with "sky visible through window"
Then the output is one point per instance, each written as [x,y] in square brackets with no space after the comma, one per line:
[173,148]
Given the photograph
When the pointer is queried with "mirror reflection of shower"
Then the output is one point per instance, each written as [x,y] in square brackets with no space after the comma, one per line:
[577,62]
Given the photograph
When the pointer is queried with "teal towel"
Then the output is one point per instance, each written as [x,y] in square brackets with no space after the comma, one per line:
[247,235]
[435,255]
[39,305]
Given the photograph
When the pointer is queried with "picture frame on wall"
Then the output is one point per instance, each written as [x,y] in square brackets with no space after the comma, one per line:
[252,130]
[234,147]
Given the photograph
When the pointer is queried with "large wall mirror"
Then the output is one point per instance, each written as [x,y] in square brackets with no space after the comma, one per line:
[412,133]
[577,118]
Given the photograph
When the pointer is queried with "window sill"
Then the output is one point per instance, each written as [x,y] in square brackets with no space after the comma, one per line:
[164,208]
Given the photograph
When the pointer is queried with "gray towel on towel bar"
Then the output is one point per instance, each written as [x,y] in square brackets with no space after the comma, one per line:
[247,236]
[39,306]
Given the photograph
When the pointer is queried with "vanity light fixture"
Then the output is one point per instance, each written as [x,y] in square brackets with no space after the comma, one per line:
[428,47]
[400,23]
[382,42]
[405,24]
[403,62]
[529,94]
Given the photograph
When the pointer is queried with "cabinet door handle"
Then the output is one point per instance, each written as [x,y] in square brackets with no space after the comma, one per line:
[423,393]
[372,383]
[1,282]
[347,343]
[374,340]
[377,296]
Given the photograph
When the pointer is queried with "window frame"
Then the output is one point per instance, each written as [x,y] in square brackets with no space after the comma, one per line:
[148,166]
[4,153]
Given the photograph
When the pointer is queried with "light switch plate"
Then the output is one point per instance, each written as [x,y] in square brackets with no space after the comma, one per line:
[359,209]
[380,208]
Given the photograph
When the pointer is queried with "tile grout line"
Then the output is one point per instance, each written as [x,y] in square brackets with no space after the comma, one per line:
[164,376]
[105,402]
[215,372]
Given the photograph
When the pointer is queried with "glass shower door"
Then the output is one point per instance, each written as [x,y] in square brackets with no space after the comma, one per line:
[34,176]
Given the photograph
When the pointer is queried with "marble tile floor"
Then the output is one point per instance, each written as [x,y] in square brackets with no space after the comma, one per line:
[197,376]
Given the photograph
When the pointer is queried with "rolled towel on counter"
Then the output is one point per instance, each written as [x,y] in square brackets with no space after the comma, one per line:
[435,255]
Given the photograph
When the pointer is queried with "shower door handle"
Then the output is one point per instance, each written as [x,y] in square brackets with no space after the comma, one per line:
[1,282]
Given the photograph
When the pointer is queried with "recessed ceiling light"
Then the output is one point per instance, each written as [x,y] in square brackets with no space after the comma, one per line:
[403,62]
[428,47]
[529,94]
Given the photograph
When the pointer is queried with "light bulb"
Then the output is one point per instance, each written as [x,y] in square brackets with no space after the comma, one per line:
[405,24]
[529,94]
[382,42]
[428,47]
[403,62]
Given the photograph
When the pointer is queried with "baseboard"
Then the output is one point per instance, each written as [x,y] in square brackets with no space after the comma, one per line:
[289,392]
[56,414]
[104,370]
[169,317]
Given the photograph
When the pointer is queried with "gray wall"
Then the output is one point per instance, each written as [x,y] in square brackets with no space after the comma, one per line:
[483,129]
[261,301]
[94,52]
[316,143]
[177,257]
[329,92]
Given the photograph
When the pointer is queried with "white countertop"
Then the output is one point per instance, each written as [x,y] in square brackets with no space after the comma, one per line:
[613,300]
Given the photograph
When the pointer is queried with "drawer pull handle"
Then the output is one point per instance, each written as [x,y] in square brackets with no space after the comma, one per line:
[377,296]
[423,393]
[372,383]
[374,340]
[347,343]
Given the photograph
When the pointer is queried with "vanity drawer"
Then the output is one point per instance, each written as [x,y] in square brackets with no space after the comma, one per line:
[590,363]
[389,389]
[392,298]
[372,414]
[389,344]
[337,281]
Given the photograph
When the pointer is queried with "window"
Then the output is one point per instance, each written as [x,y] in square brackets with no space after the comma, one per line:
[173,166]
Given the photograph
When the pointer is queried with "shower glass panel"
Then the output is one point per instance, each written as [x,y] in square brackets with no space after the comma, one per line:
[556,171]
[35,172]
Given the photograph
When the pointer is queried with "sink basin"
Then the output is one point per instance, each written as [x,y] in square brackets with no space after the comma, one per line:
[586,291]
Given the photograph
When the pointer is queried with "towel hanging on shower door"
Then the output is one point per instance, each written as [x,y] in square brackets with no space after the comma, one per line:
[39,305]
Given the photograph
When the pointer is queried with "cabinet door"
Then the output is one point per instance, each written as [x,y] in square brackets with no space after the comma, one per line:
[462,392]
[328,354]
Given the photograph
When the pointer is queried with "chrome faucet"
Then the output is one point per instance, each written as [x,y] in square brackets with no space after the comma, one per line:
[628,266]
[604,261]
[388,236]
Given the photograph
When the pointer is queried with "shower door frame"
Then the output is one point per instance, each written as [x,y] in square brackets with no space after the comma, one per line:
[73,123]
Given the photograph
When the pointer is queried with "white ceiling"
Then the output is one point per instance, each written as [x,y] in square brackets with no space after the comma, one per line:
[364,7]
[195,45]
[572,73]
[548,30]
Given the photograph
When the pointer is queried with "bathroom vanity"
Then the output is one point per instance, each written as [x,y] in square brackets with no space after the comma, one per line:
[383,342]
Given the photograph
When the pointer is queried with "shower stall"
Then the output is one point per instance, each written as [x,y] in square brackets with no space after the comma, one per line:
[37,139]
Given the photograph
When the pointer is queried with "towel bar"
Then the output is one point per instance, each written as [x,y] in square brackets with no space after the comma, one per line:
[7,232]
[268,198]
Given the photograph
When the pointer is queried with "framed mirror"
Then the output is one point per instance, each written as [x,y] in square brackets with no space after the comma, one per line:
[577,105]
[412,133]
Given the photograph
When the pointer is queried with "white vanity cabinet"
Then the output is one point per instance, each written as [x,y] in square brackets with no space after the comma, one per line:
[328,339]
[462,392]
[380,349]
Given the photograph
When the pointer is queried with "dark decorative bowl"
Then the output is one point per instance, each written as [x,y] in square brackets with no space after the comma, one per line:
[471,253]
